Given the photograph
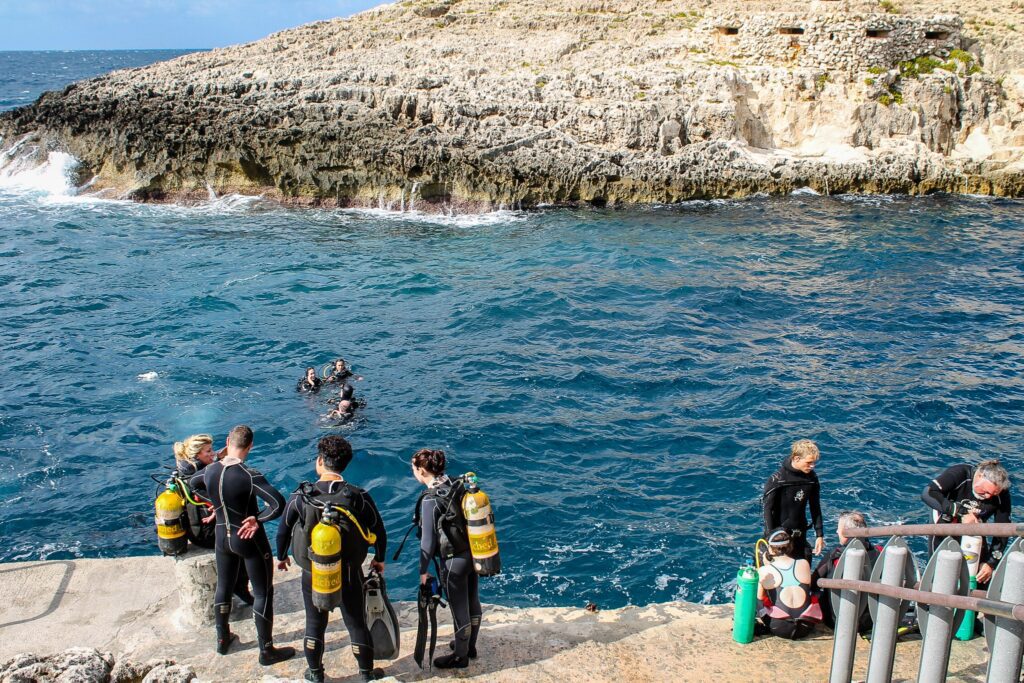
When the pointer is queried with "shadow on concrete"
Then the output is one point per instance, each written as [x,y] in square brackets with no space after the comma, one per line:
[69,569]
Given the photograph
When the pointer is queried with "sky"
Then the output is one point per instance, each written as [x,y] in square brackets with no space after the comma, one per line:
[155,24]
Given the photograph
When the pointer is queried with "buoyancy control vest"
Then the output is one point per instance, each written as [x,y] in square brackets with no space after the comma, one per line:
[449,518]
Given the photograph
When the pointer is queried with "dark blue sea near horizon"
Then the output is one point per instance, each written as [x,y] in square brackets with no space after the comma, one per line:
[622,380]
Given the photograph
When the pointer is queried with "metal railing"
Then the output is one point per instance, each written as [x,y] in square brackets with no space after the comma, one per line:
[942,595]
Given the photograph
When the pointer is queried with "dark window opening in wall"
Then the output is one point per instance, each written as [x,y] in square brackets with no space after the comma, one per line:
[791,31]
[936,35]
[878,33]
[728,30]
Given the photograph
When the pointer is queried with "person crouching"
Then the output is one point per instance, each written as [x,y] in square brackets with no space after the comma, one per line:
[784,587]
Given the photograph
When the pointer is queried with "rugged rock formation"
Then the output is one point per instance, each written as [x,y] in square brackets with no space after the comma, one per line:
[482,103]
[86,665]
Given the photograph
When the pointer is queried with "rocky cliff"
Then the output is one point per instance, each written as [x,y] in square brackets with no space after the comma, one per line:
[482,103]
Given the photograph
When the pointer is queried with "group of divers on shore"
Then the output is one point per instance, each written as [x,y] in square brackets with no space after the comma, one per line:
[792,602]
[451,514]
[329,525]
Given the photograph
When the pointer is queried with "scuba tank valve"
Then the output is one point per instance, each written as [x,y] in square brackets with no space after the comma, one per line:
[745,606]
[483,539]
[170,521]
[325,561]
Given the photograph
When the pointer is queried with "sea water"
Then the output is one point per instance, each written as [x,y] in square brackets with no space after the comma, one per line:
[623,381]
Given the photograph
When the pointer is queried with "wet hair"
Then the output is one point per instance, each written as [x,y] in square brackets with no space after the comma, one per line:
[852,520]
[803,448]
[240,437]
[334,452]
[340,360]
[779,543]
[995,473]
[310,369]
[346,392]
[189,448]
[432,461]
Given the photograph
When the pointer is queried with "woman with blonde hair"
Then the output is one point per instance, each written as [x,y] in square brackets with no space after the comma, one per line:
[193,454]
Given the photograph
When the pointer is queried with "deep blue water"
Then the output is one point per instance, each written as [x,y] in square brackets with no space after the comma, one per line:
[25,75]
[623,381]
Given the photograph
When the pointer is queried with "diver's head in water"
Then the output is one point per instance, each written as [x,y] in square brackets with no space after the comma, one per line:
[311,375]
[239,442]
[198,447]
[346,392]
[427,465]
[333,454]
[339,366]
[779,543]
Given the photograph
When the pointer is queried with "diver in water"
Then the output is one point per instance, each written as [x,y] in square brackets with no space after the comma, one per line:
[234,490]
[785,579]
[339,373]
[787,495]
[440,542]
[301,515]
[345,411]
[971,495]
[310,384]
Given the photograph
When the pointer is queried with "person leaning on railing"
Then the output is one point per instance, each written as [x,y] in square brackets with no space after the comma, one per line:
[970,495]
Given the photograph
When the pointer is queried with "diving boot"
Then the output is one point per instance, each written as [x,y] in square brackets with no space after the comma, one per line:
[224,644]
[451,662]
[472,650]
[314,675]
[272,655]
[371,674]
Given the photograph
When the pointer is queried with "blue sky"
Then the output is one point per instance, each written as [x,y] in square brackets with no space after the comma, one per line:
[141,24]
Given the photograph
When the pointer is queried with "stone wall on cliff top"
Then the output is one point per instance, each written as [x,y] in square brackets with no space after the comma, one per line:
[483,103]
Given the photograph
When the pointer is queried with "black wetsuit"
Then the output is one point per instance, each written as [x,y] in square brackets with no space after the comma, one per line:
[787,493]
[233,489]
[459,579]
[339,376]
[826,570]
[305,386]
[951,495]
[203,534]
[354,549]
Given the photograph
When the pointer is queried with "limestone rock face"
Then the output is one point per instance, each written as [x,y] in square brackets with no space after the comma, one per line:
[75,665]
[484,103]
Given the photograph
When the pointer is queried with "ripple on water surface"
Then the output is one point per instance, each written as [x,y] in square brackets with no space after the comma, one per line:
[623,381]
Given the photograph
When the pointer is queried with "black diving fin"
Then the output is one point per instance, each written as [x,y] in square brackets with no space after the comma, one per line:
[422,604]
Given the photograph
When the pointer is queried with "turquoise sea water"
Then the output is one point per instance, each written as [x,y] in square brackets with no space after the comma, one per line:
[623,381]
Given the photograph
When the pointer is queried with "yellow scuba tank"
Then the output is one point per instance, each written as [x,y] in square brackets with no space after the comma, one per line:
[325,562]
[483,539]
[170,522]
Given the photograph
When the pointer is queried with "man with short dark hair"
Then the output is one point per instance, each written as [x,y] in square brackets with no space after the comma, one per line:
[233,489]
[970,495]
[302,514]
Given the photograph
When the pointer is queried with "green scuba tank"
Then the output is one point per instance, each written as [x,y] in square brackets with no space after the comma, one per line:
[966,630]
[745,605]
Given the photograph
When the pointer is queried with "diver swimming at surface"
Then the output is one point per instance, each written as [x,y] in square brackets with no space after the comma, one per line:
[344,412]
[310,383]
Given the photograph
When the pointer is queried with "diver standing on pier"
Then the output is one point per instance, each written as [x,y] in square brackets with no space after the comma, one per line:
[233,490]
[789,492]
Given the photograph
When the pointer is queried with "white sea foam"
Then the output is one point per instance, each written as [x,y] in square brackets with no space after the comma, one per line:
[21,173]
[466,220]
[150,376]
[805,190]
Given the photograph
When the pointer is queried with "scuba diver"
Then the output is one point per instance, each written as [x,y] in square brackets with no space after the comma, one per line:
[310,384]
[443,538]
[339,372]
[784,585]
[788,492]
[826,568]
[233,489]
[300,517]
[970,495]
[190,456]
[344,412]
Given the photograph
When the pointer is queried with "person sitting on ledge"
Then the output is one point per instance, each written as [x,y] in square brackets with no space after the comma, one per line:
[826,568]
[310,384]
[784,587]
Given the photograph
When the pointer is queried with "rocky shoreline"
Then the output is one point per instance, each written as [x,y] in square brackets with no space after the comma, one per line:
[471,105]
[123,617]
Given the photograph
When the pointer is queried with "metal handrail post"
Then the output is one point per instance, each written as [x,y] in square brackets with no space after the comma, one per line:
[1004,662]
[844,643]
[935,649]
[1001,529]
[887,617]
